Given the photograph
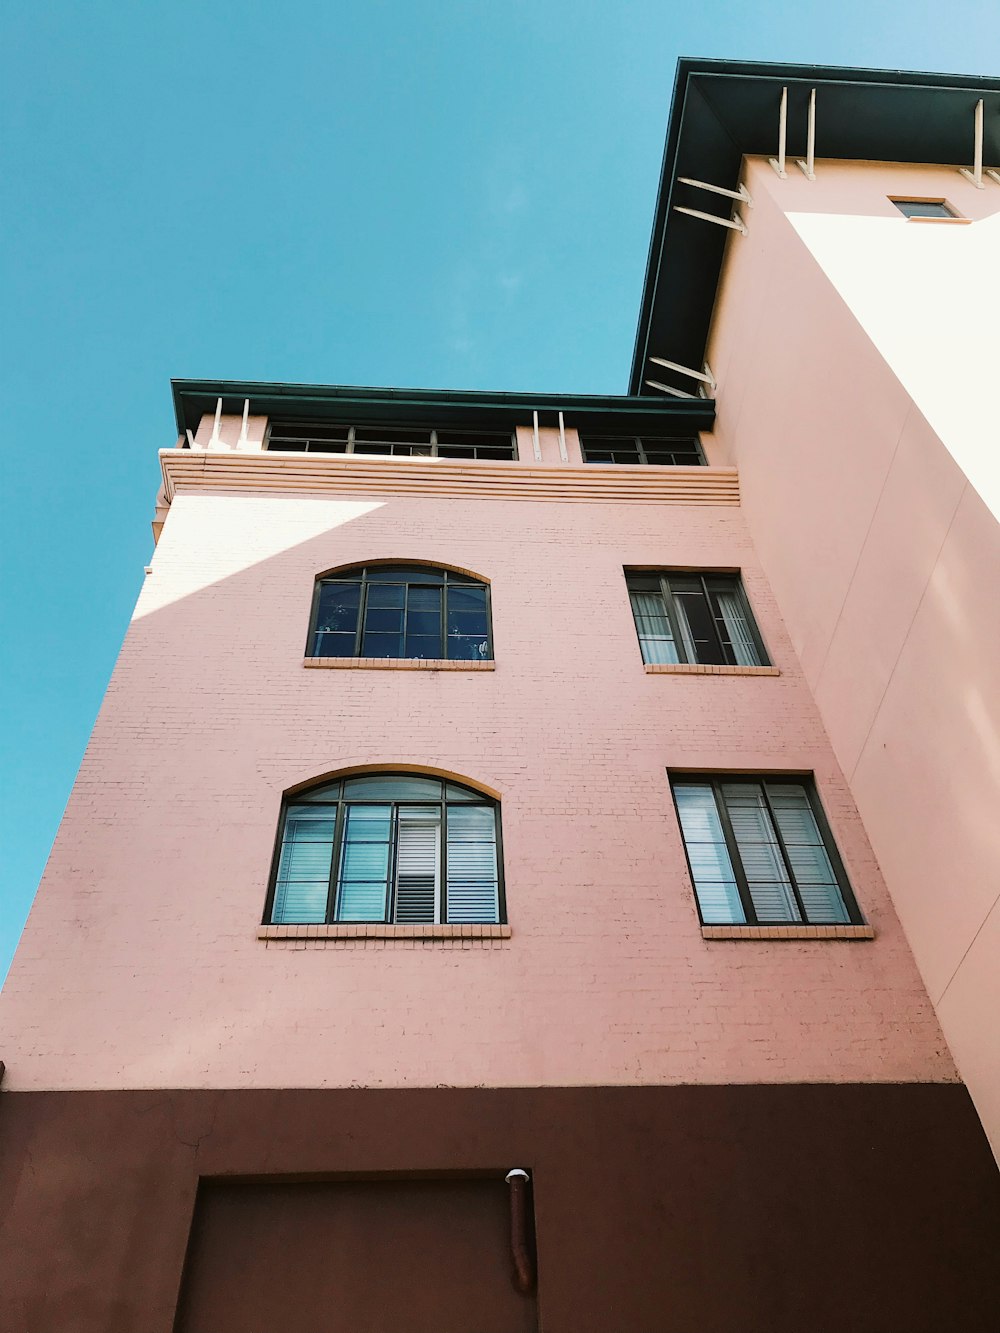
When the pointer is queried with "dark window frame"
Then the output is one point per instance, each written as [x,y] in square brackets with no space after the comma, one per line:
[300,796]
[807,782]
[337,576]
[660,444]
[733,579]
[395,446]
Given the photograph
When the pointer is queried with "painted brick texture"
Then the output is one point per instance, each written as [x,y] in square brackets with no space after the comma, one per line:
[141,964]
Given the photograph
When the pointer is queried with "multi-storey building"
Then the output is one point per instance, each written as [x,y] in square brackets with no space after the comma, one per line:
[530,846]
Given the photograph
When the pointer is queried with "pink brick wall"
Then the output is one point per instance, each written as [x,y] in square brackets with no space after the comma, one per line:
[141,966]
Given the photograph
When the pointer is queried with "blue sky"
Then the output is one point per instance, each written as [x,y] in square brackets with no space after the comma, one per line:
[444,193]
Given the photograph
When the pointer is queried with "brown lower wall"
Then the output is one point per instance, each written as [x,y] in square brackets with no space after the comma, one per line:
[682,1209]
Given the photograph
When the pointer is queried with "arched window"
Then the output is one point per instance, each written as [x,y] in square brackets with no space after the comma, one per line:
[401,611]
[391,847]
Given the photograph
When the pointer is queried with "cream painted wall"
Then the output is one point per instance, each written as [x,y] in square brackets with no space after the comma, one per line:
[855,352]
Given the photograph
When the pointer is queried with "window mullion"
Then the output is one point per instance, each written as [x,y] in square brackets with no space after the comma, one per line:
[784,853]
[350,440]
[442,908]
[444,617]
[685,646]
[362,607]
[389,911]
[742,886]
[640,450]
[338,838]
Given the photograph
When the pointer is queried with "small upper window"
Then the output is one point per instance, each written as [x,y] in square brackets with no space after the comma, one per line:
[661,451]
[391,847]
[694,618]
[760,854]
[390,441]
[412,611]
[924,208]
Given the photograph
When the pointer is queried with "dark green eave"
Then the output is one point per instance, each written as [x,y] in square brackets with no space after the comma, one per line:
[439,407]
[723,110]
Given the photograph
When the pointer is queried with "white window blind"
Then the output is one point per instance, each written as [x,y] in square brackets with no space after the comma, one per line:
[418,866]
[473,889]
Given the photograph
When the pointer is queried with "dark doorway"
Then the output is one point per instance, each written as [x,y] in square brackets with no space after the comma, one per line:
[352,1257]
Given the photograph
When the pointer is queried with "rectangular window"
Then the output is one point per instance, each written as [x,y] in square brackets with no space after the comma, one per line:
[760,853]
[702,618]
[659,451]
[391,441]
[924,208]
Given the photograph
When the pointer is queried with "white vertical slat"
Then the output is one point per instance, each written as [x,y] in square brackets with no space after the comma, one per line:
[418,867]
[473,883]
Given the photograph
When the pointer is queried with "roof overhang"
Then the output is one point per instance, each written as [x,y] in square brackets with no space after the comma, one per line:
[193,399]
[723,110]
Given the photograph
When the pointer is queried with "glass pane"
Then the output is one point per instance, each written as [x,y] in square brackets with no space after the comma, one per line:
[711,867]
[423,622]
[392,787]
[697,620]
[473,882]
[364,863]
[423,599]
[337,608]
[334,645]
[656,636]
[467,598]
[382,645]
[383,621]
[736,633]
[386,595]
[418,859]
[303,880]
[456,793]
[810,862]
[763,864]
[423,646]
[330,791]
[464,648]
[923,208]
[362,902]
[467,622]
[403,574]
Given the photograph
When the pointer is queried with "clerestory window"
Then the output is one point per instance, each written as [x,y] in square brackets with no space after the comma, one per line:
[388,847]
[391,441]
[406,611]
[658,451]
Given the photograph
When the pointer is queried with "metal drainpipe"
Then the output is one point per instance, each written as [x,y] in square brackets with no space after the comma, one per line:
[524,1265]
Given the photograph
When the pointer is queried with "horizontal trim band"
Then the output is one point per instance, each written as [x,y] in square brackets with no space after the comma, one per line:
[698,669]
[382,931]
[349,475]
[787,933]
[397,664]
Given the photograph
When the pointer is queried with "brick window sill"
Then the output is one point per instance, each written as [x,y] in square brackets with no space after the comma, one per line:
[395,664]
[380,931]
[948,222]
[787,933]
[697,669]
